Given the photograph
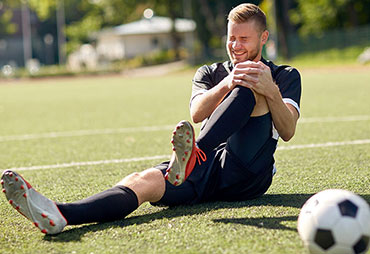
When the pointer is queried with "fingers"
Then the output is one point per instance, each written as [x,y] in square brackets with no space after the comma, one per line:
[243,80]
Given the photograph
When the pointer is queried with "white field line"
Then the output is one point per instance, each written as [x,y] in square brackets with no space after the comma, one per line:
[84,133]
[328,144]
[90,163]
[77,133]
[334,119]
[116,161]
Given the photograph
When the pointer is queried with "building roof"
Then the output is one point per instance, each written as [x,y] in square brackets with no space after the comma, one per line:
[153,25]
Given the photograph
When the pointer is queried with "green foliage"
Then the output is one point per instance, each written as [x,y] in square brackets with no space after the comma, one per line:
[78,32]
[43,8]
[317,16]
[6,27]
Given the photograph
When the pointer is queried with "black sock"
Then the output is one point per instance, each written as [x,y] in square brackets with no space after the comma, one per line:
[230,116]
[112,204]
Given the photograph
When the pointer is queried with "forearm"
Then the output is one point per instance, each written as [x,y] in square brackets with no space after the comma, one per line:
[203,105]
[284,115]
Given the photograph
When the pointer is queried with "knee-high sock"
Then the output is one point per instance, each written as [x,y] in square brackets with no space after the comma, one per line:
[112,204]
[231,115]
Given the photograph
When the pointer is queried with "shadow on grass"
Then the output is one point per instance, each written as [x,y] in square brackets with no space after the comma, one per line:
[284,200]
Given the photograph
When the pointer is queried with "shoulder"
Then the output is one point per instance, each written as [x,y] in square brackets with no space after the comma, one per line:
[211,74]
[281,73]
[214,68]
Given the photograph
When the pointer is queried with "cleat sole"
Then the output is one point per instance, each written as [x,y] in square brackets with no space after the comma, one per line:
[32,204]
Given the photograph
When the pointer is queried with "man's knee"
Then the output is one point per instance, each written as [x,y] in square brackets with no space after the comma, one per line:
[148,185]
[146,176]
[241,91]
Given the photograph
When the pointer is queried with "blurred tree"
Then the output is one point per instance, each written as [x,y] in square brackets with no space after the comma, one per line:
[317,16]
[7,27]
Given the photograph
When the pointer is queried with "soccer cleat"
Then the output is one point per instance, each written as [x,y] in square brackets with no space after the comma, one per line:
[185,153]
[42,211]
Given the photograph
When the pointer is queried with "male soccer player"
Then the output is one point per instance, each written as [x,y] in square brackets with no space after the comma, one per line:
[244,104]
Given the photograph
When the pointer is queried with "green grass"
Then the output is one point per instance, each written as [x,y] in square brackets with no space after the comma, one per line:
[264,225]
[329,57]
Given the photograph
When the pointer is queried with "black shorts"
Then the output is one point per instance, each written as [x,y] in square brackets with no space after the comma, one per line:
[222,178]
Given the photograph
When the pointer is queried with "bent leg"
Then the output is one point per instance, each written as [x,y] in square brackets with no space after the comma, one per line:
[230,116]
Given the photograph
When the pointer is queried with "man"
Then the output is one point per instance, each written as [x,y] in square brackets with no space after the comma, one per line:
[232,159]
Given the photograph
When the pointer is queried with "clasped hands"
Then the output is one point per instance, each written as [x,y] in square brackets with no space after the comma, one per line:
[254,75]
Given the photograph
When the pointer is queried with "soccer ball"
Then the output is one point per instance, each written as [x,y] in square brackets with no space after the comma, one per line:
[336,222]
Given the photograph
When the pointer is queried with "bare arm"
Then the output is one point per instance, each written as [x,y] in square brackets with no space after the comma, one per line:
[284,115]
[203,105]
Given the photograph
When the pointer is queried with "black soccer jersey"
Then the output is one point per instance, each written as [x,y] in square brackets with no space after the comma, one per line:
[287,78]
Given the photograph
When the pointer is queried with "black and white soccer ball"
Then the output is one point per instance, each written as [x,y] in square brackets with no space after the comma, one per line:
[335,222]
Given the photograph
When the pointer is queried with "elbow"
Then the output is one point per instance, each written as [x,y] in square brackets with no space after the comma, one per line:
[196,115]
[287,136]
[196,118]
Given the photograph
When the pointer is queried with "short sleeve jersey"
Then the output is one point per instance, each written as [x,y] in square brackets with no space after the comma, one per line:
[287,78]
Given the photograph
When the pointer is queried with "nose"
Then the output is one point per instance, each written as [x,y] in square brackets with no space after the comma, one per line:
[236,44]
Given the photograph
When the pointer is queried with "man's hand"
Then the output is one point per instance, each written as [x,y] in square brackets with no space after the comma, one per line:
[256,76]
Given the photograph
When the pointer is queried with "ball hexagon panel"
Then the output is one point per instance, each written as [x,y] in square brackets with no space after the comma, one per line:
[326,216]
[346,231]
[363,216]
[339,249]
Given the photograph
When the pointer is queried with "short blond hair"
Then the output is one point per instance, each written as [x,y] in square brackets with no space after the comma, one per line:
[247,12]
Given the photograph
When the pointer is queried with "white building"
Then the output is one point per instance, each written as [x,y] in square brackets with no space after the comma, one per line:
[142,37]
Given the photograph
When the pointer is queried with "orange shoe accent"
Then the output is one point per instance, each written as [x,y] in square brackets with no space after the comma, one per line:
[196,154]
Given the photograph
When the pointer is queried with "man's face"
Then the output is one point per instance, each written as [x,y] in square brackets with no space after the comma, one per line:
[244,41]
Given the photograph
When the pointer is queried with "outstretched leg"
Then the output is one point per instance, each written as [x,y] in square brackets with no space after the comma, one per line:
[112,204]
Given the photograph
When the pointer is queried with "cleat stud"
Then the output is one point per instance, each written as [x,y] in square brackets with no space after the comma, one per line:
[22,187]
[44,231]
[166,176]
[183,158]
[177,127]
[36,224]
[187,133]
[43,215]
[186,152]
[174,149]
[4,191]
[168,170]
[188,141]
[16,179]
[177,176]
[11,202]
[176,183]
[11,174]
[17,207]
[174,132]
[2,182]
[172,141]
[51,222]
[25,195]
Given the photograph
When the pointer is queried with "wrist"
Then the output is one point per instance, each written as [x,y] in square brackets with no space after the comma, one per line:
[274,93]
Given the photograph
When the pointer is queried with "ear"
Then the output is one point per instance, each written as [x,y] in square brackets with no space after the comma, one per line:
[264,36]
